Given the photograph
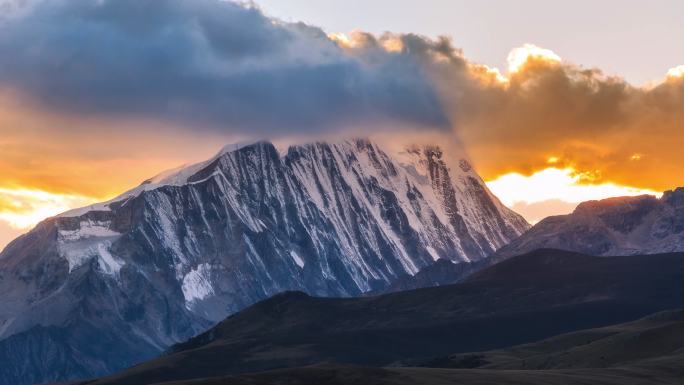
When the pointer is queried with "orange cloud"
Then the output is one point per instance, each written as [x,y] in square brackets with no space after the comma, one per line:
[527,54]
[676,72]
[550,111]
[77,155]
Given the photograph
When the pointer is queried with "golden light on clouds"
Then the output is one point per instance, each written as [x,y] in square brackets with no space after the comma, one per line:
[517,59]
[676,72]
[23,208]
[392,44]
[553,113]
[342,39]
[487,74]
[520,56]
[358,39]
[563,188]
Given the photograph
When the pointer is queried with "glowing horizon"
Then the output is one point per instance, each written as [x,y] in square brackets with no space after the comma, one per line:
[22,208]
[560,188]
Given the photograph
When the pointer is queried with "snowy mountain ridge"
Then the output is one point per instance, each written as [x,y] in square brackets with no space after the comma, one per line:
[185,249]
[172,177]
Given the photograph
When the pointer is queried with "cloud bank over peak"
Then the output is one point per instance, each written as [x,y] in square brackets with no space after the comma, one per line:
[209,64]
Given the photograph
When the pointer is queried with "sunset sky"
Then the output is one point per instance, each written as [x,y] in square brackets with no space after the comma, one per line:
[97,96]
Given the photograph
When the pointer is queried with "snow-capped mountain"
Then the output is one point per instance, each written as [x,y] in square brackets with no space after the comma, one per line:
[100,288]
[616,226]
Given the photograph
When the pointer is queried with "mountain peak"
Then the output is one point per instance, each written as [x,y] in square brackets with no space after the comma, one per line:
[615,226]
[232,147]
[193,245]
[674,197]
[622,204]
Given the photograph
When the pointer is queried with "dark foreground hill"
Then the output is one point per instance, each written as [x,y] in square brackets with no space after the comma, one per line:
[524,299]
[647,351]
[669,371]
[642,343]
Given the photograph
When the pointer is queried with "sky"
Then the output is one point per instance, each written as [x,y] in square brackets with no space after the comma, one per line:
[628,38]
[555,103]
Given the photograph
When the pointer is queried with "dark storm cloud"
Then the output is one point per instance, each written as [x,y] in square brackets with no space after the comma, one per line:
[207,64]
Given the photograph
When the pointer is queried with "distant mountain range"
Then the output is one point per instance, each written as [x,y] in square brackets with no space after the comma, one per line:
[98,289]
[521,300]
[616,226]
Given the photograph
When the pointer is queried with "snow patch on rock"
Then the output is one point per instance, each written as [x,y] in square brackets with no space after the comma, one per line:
[197,284]
[298,260]
[93,239]
[88,229]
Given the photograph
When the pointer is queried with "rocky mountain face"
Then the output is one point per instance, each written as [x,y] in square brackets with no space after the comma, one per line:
[98,289]
[616,226]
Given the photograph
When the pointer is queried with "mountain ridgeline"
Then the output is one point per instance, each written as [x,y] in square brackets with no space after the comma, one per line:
[615,226]
[101,288]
